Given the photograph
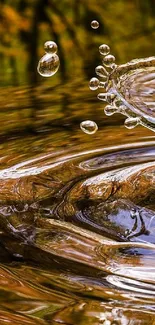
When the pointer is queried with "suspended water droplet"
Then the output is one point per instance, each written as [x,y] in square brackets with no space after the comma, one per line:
[110,110]
[106,97]
[50,47]
[89,127]
[95,24]
[109,60]
[48,65]
[131,122]
[104,49]
[94,83]
[101,72]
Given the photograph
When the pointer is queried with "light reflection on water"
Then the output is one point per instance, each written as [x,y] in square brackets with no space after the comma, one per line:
[77,239]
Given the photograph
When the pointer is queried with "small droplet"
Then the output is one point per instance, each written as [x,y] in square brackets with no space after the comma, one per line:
[106,97]
[48,65]
[94,83]
[110,110]
[109,60]
[95,24]
[89,127]
[101,72]
[131,122]
[50,47]
[104,49]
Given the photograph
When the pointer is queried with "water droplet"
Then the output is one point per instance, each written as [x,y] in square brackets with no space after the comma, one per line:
[89,127]
[104,49]
[48,65]
[94,83]
[106,97]
[109,60]
[101,72]
[131,122]
[95,24]
[50,47]
[110,110]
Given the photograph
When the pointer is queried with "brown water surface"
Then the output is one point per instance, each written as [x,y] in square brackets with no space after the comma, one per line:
[77,226]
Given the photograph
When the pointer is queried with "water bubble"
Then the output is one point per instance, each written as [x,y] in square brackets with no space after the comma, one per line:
[95,24]
[50,47]
[89,127]
[131,122]
[94,83]
[110,110]
[101,72]
[109,60]
[104,49]
[48,65]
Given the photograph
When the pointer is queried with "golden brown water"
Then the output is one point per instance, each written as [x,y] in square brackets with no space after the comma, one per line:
[77,213]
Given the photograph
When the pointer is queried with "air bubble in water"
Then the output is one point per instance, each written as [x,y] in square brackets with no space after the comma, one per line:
[109,60]
[89,127]
[131,122]
[104,49]
[94,83]
[48,65]
[95,24]
[50,47]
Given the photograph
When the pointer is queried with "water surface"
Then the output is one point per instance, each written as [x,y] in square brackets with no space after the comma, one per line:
[77,212]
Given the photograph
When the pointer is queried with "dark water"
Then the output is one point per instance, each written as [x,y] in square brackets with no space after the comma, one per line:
[77,226]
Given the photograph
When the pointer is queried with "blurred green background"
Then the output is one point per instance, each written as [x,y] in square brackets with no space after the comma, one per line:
[128,26]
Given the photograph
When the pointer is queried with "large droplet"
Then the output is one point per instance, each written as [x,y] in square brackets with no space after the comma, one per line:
[95,24]
[89,127]
[109,60]
[131,122]
[101,72]
[50,47]
[48,65]
[110,110]
[104,49]
[94,83]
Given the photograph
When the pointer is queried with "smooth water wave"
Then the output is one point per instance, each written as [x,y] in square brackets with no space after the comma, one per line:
[87,219]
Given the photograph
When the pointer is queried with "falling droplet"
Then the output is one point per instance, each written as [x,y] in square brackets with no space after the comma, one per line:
[131,122]
[94,83]
[50,47]
[48,65]
[95,24]
[109,60]
[101,72]
[110,110]
[104,49]
[89,127]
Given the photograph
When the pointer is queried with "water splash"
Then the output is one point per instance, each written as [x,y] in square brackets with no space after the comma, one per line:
[129,89]
[49,64]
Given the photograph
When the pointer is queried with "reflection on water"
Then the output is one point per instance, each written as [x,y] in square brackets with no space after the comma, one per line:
[76,214]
